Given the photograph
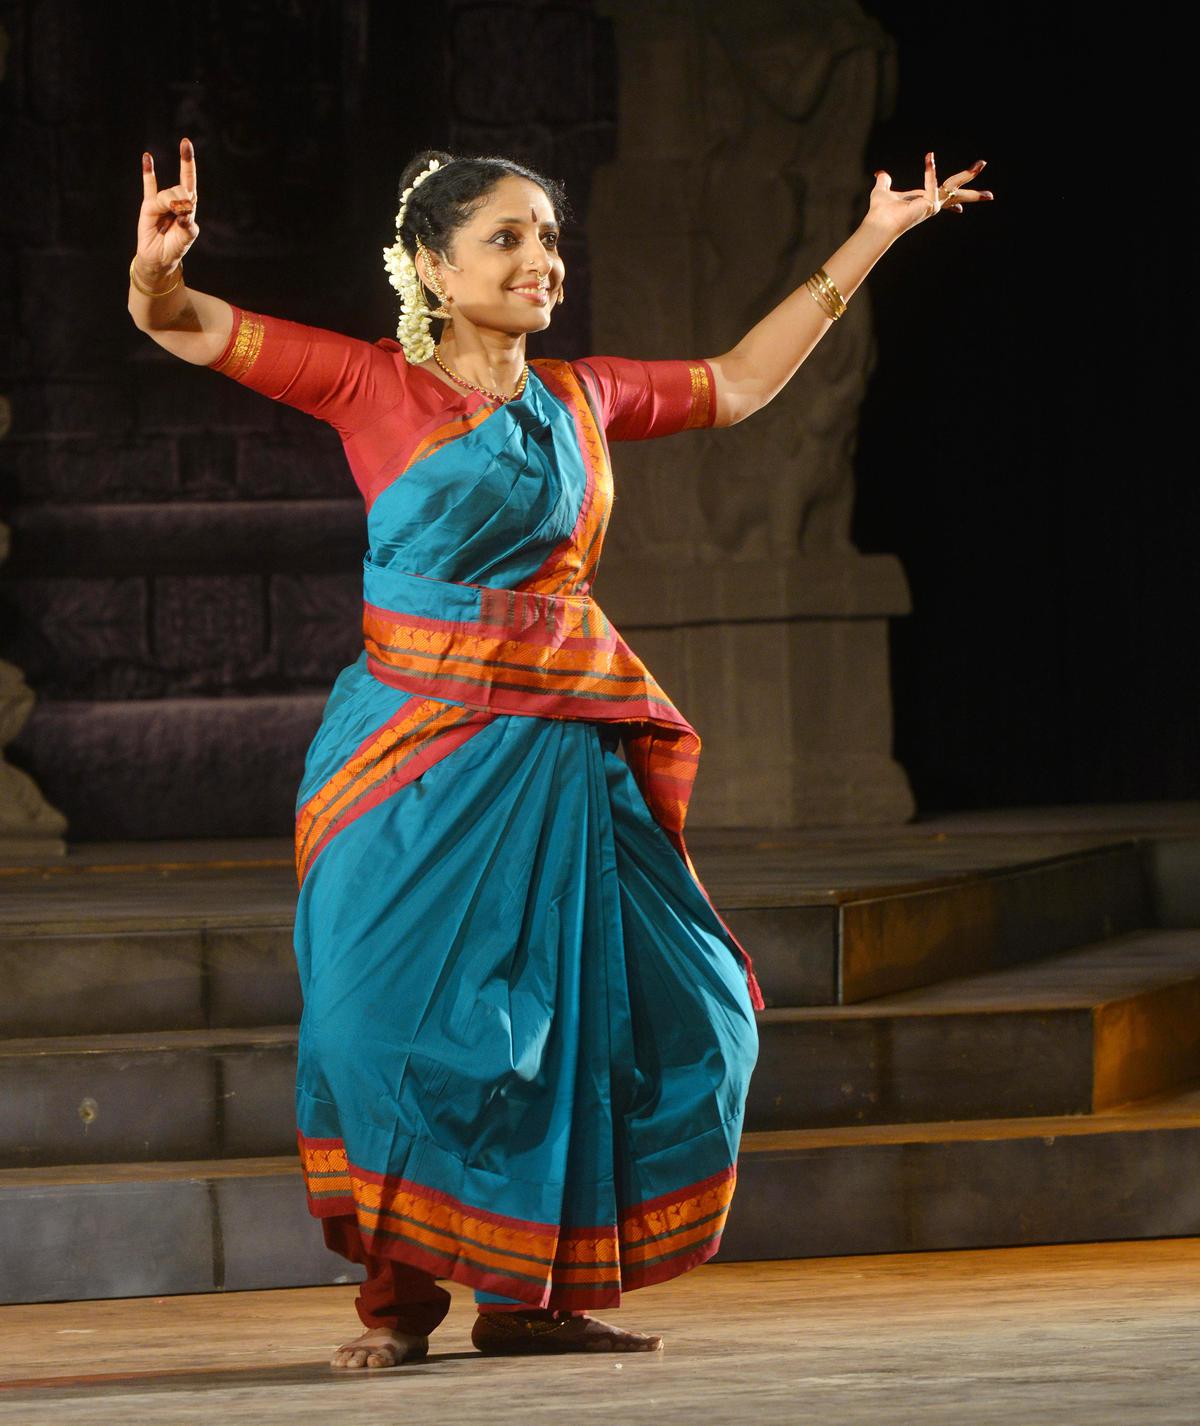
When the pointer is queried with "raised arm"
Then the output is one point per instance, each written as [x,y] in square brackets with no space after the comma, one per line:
[339,379]
[189,324]
[768,356]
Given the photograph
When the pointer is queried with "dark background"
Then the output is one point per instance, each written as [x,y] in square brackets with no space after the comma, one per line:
[1023,447]
[1026,446]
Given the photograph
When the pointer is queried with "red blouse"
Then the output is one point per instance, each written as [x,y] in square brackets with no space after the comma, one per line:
[377,402]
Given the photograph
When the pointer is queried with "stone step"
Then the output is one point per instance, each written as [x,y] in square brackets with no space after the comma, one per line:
[149,1229]
[173,944]
[152,1229]
[1128,1172]
[1073,1034]
[174,1094]
[903,928]
[133,977]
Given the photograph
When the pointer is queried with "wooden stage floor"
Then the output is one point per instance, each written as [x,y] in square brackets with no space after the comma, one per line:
[1100,1333]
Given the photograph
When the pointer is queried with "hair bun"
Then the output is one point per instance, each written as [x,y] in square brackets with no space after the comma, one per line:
[418,163]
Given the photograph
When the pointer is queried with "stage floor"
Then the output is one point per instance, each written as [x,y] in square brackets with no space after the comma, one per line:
[1098,1333]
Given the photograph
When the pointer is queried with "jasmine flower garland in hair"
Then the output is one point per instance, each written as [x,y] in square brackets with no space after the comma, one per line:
[412,330]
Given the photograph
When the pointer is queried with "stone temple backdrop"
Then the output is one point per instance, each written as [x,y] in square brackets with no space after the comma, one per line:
[180,559]
[742,147]
[183,581]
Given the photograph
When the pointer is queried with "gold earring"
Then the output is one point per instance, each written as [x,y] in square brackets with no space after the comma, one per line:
[560,299]
[433,282]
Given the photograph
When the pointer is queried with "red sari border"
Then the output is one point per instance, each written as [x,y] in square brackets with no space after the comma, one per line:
[538,1263]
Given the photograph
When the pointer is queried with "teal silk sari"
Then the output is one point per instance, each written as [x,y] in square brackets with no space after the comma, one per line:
[527,1033]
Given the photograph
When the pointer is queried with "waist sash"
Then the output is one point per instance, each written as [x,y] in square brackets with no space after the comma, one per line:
[505,651]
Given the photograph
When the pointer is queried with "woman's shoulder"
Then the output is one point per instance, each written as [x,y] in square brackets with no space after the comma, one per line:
[640,397]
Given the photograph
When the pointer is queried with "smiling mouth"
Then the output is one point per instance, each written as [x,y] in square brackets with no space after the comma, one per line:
[532,294]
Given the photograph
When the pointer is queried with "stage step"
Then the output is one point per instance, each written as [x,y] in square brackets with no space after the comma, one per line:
[859,939]
[181,945]
[1129,1172]
[172,1094]
[139,1229]
[151,1010]
[1071,1034]
[75,980]
[147,1230]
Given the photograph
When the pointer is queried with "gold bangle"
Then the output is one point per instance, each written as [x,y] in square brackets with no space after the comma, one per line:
[830,287]
[825,294]
[145,291]
[822,299]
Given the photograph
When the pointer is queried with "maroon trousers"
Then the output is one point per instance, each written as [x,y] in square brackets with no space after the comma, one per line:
[393,1295]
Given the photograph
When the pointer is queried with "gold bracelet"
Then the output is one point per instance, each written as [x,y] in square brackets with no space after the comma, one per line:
[145,291]
[825,294]
[821,299]
[830,288]
[827,283]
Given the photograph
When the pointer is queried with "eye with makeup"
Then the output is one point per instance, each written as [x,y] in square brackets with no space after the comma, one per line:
[549,239]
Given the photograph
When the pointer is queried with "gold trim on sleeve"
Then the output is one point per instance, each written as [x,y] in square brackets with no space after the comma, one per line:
[698,414]
[246,347]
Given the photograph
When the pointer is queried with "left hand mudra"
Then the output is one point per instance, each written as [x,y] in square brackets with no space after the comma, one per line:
[900,209]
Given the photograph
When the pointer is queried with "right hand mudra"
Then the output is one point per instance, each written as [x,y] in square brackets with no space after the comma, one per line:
[167,224]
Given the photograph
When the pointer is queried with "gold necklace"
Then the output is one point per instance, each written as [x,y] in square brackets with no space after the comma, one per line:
[483,390]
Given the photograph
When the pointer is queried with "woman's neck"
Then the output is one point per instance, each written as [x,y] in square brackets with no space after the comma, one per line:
[494,360]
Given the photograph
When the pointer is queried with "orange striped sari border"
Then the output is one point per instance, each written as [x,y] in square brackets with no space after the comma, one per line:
[414,636]
[458,1268]
[663,1269]
[660,1217]
[587,1267]
[451,1244]
[676,1216]
[597,706]
[442,435]
[336,1148]
[420,735]
[471,670]
[458,660]
[573,563]
[435,432]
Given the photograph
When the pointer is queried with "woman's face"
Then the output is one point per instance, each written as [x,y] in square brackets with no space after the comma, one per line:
[506,269]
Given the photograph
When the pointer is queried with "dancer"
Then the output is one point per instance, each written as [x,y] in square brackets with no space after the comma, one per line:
[527,1033]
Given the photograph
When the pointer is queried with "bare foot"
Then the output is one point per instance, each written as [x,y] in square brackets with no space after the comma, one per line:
[513,1333]
[381,1347]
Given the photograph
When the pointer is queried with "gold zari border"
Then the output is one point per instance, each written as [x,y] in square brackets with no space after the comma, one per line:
[246,347]
[701,398]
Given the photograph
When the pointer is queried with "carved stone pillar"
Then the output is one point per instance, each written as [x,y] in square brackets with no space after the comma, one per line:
[29,826]
[740,168]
